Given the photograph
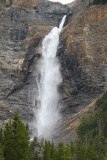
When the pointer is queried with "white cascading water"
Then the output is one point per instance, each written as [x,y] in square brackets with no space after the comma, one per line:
[49,79]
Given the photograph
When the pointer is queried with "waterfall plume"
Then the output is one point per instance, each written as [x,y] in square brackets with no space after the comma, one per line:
[48,80]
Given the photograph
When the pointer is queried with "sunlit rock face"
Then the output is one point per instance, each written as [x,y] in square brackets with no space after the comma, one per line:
[83,55]
[84,58]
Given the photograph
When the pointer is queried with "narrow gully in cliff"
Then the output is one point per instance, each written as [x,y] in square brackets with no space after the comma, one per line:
[48,79]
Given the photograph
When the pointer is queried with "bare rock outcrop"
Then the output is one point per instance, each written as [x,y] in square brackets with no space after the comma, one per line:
[83,54]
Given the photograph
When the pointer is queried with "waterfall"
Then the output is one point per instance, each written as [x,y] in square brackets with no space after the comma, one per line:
[49,78]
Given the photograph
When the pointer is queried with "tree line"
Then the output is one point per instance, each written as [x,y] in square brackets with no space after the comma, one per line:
[97,2]
[15,142]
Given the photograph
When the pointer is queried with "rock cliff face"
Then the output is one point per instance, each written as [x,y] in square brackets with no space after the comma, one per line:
[22,28]
[82,53]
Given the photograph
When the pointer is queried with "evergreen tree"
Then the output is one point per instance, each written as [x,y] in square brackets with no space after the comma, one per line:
[60,151]
[90,154]
[1,153]
[1,134]
[99,1]
[72,146]
[67,153]
[47,151]
[53,152]
[35,148]
[80,150]
[16,140]
[99,146]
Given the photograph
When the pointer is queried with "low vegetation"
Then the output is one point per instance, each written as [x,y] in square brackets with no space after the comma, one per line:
[98,2]
[91,144]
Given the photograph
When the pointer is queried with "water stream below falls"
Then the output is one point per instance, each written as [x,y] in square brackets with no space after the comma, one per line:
[49,78]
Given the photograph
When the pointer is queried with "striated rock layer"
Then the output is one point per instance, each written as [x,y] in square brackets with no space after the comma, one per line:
[82,53]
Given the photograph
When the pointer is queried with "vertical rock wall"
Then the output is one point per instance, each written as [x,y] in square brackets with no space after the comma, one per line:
[22,28]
